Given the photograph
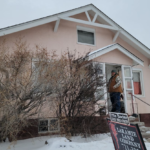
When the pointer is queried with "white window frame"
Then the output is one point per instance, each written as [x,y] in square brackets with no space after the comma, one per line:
[48,126]
[141,81]
[87,30]
[104,78]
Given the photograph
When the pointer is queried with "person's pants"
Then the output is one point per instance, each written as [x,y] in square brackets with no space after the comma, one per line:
[115,100]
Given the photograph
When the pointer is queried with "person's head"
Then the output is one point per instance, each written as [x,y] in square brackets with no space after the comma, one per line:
[113,72]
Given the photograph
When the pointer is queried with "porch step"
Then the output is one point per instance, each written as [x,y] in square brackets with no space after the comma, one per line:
[133,119]
[145,135]
[139,123]
[144,129]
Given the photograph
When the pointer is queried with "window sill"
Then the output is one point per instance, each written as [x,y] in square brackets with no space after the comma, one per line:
[139,95]
[86,44]
[45,132]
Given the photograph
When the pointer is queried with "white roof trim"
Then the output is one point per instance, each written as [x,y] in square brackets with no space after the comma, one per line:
[44,20]
[112,47]
[137,44]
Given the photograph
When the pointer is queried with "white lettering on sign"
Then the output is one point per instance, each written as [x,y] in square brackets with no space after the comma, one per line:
[131,133]
[130,143]
[119,117]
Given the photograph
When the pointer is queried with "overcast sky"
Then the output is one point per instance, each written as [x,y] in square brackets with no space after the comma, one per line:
[132,15]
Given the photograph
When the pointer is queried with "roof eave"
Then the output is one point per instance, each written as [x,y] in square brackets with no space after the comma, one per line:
[113,47]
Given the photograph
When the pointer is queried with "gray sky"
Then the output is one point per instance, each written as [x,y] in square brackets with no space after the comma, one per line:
[132,15]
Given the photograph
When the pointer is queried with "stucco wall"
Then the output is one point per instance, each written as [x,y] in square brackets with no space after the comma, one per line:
[66,39]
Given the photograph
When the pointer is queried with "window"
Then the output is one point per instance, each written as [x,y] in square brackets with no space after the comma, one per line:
[138,82]
[100,68]
[99,94]
[43,125]
[54,124]
[86,35]
[49,125]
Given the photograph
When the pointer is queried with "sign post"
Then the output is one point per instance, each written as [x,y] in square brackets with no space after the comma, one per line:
[124,135]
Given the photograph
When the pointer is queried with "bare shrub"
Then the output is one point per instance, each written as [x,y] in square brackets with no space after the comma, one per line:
[23,88]
[33,79]
[76,94]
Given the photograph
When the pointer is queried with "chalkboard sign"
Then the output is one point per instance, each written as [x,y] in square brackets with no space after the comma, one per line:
[126,137]
[119,117]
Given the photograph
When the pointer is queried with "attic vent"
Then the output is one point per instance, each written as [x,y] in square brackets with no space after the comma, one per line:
[86,35]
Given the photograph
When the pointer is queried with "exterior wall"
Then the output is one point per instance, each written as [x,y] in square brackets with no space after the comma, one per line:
[62,40]
[66,39]
[142,108]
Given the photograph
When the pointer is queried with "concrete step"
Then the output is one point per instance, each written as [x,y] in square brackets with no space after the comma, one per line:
[139,123]
[134,119]
[131,119]
[148,140]
[145,135]
[144,129]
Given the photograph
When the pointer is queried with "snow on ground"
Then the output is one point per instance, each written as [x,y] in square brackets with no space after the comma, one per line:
[97,142]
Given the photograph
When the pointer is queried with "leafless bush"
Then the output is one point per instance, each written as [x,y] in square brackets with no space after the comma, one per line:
[31,79]
[23,85]
[76,94]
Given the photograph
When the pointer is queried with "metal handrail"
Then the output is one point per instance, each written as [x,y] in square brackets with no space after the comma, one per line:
[140,99]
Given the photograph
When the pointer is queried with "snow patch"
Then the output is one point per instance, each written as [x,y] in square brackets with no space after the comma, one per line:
[96,142]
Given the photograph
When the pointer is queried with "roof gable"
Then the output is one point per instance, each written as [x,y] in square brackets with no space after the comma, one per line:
[89,10]
[112,47]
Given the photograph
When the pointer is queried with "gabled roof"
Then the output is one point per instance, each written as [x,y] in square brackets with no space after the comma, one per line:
[112,47]
[107,22]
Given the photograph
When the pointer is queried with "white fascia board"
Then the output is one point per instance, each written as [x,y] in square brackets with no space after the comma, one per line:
[104,51]
[42,21]
[27,25]
[103,16]
[141,46]
[89,23]
[129,55]
[109,21]
[101,52]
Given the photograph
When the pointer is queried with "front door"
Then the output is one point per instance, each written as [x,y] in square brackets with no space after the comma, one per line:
[128,87]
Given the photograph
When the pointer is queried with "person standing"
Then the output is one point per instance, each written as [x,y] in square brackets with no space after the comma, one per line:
[115,90]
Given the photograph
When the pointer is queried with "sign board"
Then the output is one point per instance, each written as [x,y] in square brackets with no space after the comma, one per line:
[119,117]
[126,137]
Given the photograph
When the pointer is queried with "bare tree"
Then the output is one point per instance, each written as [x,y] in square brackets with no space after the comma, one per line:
[77,94]
[33,78]
[23,88]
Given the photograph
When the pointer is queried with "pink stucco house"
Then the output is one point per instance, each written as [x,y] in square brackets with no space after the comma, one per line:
[87,29]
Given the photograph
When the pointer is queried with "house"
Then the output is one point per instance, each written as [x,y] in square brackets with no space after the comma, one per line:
[87,29]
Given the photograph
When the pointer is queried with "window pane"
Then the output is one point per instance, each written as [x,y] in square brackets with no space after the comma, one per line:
[53,125]
[99,67]
[128,84]
[127,72]
[43,125]
[128,95]
[85,37]
[99,94]
[137,83]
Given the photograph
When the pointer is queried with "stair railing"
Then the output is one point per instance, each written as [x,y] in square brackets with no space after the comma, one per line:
[137,104]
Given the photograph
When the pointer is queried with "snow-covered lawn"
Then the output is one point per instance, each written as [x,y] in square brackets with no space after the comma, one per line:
[97,142]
